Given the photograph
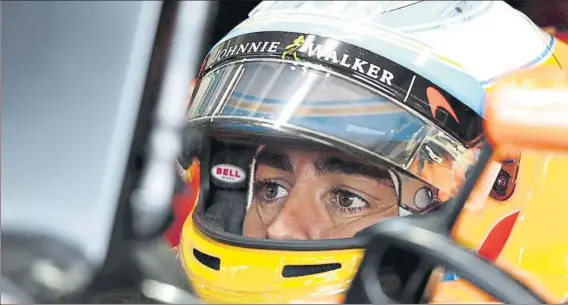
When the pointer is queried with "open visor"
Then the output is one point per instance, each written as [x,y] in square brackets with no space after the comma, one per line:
[303,100]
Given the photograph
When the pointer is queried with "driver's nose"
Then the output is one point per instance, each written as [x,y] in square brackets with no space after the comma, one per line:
[301,217]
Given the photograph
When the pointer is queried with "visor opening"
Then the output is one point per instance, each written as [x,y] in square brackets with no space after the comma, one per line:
[207,260]
[303,270]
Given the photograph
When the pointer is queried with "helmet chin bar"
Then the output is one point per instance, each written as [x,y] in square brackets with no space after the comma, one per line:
[425,239]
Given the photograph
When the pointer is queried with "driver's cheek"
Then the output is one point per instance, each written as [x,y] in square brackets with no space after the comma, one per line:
[301,217]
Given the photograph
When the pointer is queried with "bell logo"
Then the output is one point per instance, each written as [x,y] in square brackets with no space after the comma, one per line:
[228,173]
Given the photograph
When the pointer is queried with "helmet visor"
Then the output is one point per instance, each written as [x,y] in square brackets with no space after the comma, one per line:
[310,101]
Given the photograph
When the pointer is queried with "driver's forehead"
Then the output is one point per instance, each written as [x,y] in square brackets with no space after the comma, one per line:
[298,155]
[321,162]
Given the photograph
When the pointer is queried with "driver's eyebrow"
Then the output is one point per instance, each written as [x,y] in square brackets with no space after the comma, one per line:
[274,160]
[334,165]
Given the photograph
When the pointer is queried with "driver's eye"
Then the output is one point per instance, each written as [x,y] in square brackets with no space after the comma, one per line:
[269,191]
[349,200]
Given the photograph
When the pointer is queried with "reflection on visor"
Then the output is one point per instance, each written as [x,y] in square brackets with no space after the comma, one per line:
[280,95]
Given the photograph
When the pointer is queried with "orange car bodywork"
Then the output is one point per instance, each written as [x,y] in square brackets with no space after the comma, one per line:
[527,234]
